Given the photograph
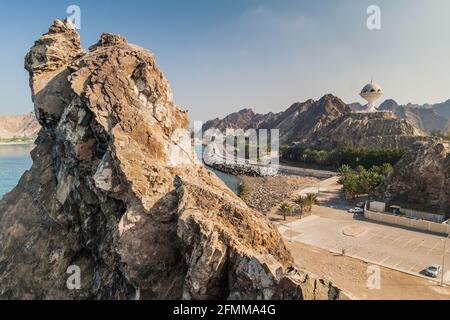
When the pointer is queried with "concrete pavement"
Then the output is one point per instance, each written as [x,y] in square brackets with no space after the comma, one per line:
[399,249]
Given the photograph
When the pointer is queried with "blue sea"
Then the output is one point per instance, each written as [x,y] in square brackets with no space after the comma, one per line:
[230,181]
[14,161]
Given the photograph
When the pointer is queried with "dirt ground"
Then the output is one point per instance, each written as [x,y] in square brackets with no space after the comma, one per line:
[351,275]
[265,193]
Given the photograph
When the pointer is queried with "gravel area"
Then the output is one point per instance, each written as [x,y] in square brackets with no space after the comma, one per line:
[265,193]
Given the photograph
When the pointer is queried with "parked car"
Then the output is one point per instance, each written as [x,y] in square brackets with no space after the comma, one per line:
[356,210]
[433,271]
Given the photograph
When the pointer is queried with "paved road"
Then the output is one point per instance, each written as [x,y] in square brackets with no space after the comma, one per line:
[290,170]
[397,248]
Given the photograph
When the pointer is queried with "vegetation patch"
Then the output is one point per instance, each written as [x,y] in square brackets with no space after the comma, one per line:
[361,181]
[347,155]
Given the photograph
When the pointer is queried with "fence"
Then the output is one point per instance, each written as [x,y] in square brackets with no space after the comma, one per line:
[407,222]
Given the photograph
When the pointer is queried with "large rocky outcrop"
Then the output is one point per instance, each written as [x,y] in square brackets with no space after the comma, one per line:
[115,190]
[369,130]
[422,176]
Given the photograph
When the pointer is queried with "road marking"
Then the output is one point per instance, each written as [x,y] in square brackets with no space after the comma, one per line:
[371,256]
[384,260]
[420,244]
[408,242]
[412,268]
[429,251]
[396,240]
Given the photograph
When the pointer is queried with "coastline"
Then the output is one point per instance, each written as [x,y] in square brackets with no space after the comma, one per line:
[17,143]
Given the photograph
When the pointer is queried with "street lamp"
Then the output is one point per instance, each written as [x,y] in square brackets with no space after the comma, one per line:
[443,260]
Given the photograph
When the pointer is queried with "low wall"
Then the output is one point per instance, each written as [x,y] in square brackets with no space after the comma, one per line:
[423,215]
[407,222]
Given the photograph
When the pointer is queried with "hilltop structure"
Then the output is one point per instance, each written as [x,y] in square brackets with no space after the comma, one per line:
[371,93]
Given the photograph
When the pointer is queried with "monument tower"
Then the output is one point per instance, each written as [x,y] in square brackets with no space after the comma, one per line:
[371,93]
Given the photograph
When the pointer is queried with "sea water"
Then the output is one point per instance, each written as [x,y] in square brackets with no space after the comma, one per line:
[14,161]
[230,181]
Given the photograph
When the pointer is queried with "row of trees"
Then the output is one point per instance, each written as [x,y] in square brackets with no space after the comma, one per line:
[346,155]
[362,181]
[303,203]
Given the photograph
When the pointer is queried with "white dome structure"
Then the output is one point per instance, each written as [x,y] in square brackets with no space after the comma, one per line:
[371,93]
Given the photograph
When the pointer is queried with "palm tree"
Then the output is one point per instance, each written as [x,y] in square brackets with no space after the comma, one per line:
[345,169]
[311,200]
[301,202]
[285,209]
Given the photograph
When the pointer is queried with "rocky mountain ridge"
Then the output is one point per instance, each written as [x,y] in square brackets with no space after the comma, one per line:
[116,191]
[23,126]
[370,130]
[327,123]
[425,117]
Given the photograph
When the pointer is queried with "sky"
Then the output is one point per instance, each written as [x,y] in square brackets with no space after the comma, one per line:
[221,56]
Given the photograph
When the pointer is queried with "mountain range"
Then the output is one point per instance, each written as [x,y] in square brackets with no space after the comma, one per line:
[329,123]
[19,126]
[426,117]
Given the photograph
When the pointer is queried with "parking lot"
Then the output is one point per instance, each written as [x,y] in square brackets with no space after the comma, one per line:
[397,248]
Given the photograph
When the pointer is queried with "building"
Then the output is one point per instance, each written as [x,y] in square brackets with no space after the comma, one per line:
[371,93]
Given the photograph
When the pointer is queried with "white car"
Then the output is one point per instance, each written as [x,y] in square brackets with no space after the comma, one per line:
[433,271]
[356,210]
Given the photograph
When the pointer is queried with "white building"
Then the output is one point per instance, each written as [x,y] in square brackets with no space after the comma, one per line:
[371,93]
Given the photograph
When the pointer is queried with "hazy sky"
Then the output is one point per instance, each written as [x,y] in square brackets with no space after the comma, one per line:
[223,55]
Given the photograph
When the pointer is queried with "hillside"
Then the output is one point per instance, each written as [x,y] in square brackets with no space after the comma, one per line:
[296,124]
[328,123]
[422,176]
[370,130]
[426,117]
[20,126]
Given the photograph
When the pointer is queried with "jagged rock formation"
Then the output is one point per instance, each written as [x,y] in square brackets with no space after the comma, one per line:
[427,117]
[328,123]
[370,130]
[296,124]
[23,126]
[422,176]
[443,109]
[423,118]
[115,189]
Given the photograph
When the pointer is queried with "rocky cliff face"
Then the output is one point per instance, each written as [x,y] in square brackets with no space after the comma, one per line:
[115,190]
[370,130]
[421,176]
[23,126]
